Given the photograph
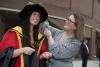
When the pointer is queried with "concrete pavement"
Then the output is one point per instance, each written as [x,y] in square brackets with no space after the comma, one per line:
[91,63]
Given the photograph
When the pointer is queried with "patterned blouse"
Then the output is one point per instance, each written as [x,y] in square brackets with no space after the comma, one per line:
[63,50]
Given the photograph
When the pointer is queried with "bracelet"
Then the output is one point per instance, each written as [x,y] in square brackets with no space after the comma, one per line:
[22,50]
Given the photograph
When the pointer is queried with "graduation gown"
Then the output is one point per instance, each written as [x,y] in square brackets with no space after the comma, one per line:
[14,39]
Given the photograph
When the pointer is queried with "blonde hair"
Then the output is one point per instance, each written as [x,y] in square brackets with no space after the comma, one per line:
[79,34]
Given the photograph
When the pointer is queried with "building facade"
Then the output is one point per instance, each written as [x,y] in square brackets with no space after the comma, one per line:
[58,10]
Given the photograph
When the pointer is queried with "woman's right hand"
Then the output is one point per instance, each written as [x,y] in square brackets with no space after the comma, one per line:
[25,50]
[28,50]
[47,32]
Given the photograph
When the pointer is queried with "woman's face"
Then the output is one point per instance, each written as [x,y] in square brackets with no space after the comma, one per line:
[35,18]
[70,23]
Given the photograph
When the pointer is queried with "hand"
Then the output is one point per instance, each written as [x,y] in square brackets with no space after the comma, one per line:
[47,32]
[46,55]
[28,50]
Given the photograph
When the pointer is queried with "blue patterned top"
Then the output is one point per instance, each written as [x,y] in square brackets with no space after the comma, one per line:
[63,51]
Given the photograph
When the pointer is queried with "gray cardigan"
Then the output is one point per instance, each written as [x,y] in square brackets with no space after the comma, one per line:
[63,51]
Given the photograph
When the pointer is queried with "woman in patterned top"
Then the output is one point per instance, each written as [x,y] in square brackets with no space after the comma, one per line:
[64,44]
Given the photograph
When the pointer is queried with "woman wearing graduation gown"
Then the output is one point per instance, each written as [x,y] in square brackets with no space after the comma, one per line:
[22,45]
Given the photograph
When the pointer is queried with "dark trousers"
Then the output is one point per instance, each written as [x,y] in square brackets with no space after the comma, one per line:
[84,61]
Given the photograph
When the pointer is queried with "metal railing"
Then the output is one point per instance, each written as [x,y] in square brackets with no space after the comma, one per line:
[51,16]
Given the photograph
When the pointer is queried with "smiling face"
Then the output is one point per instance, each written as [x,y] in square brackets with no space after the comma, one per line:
[34,18]
[70,23]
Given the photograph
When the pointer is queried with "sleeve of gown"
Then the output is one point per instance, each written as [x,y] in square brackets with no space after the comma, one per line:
[46,25]
[65,51]
[9,40]
[6,57]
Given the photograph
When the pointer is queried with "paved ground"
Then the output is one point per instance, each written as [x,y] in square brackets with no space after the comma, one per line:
[91,63]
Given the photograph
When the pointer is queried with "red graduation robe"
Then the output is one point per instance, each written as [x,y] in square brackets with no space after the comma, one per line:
[13,39]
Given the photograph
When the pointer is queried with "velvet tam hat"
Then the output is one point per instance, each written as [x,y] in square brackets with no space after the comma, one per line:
[30,8]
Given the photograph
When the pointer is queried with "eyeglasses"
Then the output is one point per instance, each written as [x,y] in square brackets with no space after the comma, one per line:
[69,20]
